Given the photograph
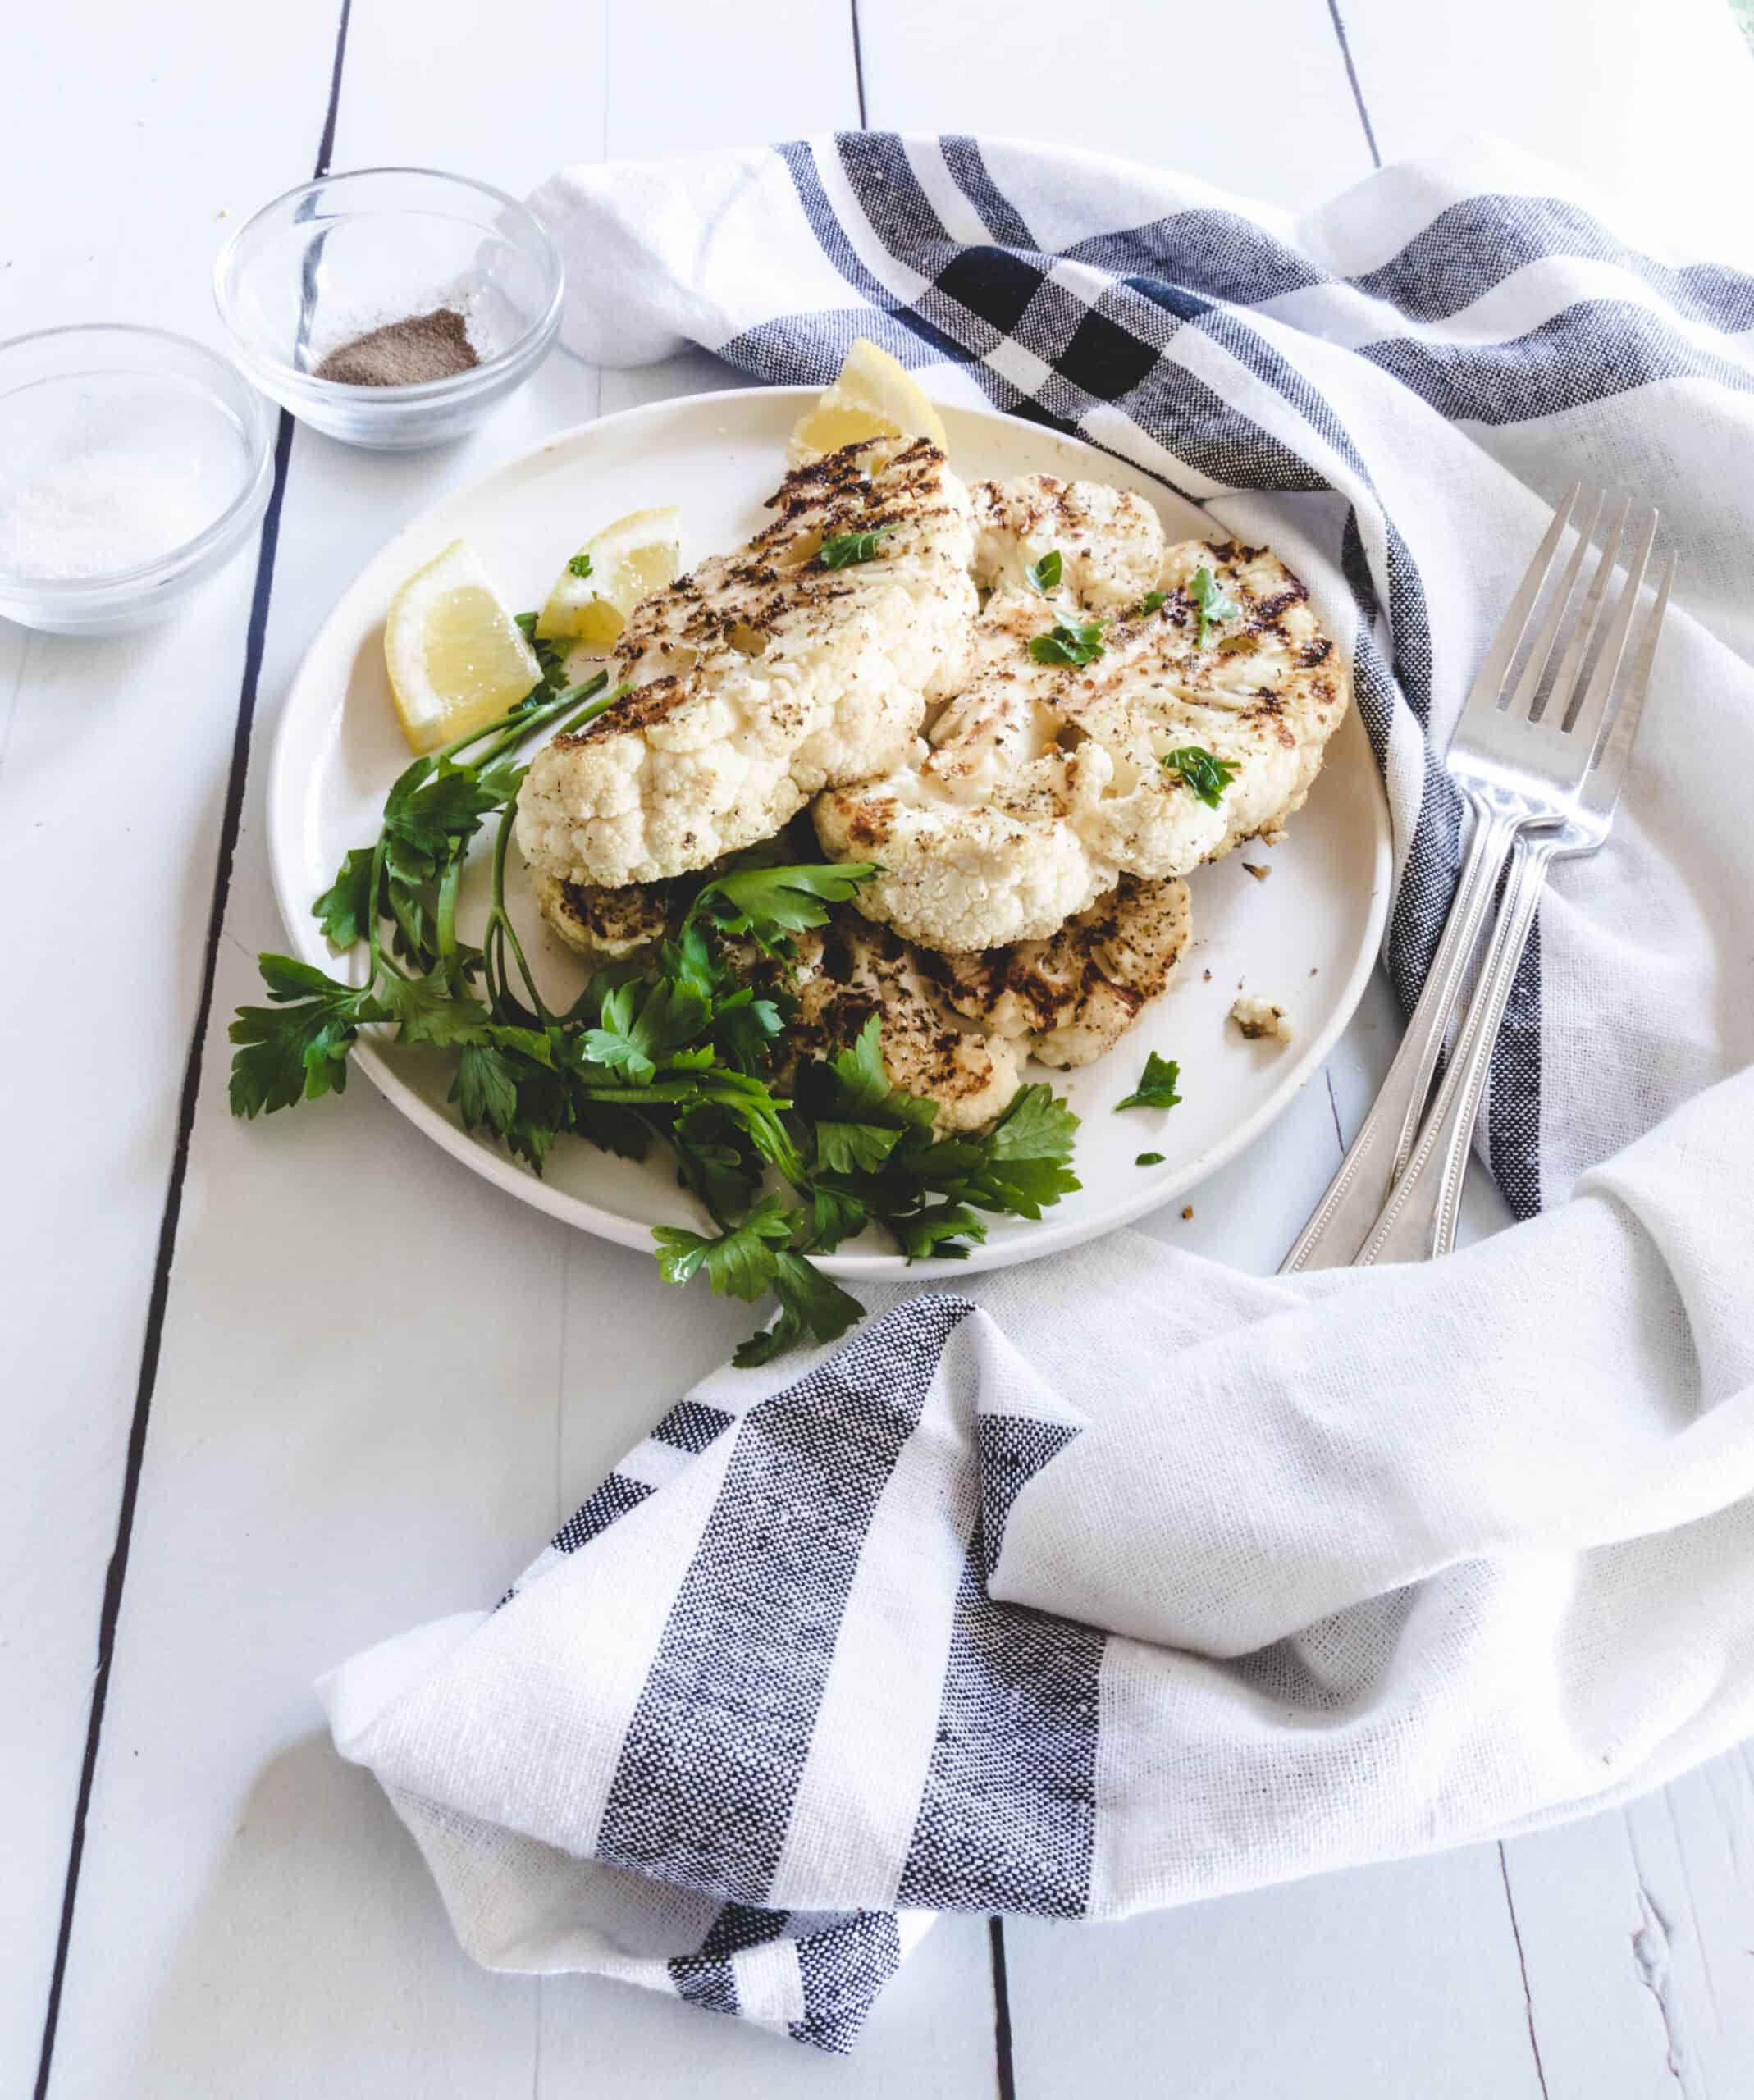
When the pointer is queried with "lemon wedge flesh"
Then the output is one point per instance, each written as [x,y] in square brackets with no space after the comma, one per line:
[455,656]
[609,575]
[874,397]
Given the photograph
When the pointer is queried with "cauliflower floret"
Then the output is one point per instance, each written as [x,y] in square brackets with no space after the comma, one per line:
[853,969]
[1259,1019]
[979,841]
[1074,995]
[1045,782]
[1110,542]
[765,676]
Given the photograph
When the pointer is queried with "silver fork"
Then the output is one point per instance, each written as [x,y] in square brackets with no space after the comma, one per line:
[1512,761]
[1418,1220]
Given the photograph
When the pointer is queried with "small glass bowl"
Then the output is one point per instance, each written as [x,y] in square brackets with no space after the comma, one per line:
[333,259]
[133,464]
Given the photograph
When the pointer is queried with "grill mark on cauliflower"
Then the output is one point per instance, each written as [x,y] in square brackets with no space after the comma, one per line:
[853,969]
[762,677]
[1076,994]
[1045,782]
[954,1029]
[605,925]
[842,976]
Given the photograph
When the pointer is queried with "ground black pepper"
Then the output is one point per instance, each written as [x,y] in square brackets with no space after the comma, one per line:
[433,345]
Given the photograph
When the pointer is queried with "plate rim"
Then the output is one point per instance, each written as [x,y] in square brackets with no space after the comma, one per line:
[1048,1236]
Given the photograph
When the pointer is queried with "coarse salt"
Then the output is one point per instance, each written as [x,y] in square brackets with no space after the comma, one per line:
[134,482]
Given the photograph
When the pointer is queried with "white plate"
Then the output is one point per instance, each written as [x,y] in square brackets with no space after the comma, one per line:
[1306,940]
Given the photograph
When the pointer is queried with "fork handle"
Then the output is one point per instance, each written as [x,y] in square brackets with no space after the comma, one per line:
[1342,1222]
[1418,1220]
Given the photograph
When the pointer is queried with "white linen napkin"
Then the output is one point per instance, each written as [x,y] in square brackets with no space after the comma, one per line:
[1166,1580]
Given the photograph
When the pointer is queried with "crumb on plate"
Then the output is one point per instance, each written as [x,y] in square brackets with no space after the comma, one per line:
[1260,1018]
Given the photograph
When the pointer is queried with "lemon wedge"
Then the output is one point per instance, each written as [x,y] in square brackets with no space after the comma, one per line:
[455,656]
[608,577]
[874,397]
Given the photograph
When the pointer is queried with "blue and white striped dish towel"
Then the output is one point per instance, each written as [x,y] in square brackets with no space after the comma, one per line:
[1165,1581]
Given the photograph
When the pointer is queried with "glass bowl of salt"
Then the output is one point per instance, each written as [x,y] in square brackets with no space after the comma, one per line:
[133,464]
[391,306]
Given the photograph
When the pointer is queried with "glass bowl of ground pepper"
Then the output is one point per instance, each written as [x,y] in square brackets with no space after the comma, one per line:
[392,306]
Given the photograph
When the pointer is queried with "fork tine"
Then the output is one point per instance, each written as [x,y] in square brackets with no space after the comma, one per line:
[1610,764]
[1587,726]
[1486,687]
[1525,702]
[1565,679]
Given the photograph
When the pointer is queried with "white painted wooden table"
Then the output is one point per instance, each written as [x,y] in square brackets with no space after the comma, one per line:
[230,1457]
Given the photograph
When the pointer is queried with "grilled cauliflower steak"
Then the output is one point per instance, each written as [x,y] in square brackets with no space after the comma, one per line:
[1264,694]
[1110,542]
[1045,782]
[853,969]
[765,676]
[606,925]
[1074,995]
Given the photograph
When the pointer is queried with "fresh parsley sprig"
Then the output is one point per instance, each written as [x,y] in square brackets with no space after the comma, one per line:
[1210,603]
[407,882]
[1069,641]
[550,654]
[872,1155]
[1044,576]
[868,1155]
[754,1258]
[847,549]
[1206,773]
[767,905]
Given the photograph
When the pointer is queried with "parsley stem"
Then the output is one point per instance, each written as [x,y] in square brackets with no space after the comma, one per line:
[507,932]
[374,947]
[500,930]
[660,1089]
[446,918]
[514,726]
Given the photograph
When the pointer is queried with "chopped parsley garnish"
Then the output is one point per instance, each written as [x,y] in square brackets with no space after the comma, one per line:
[1150,602]
[579,566]
[846,549]
[1150,1159]
[676,1049]
[1156,1085]
[1207,775]
[1069,641]
[1044,576]
[1212,603]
